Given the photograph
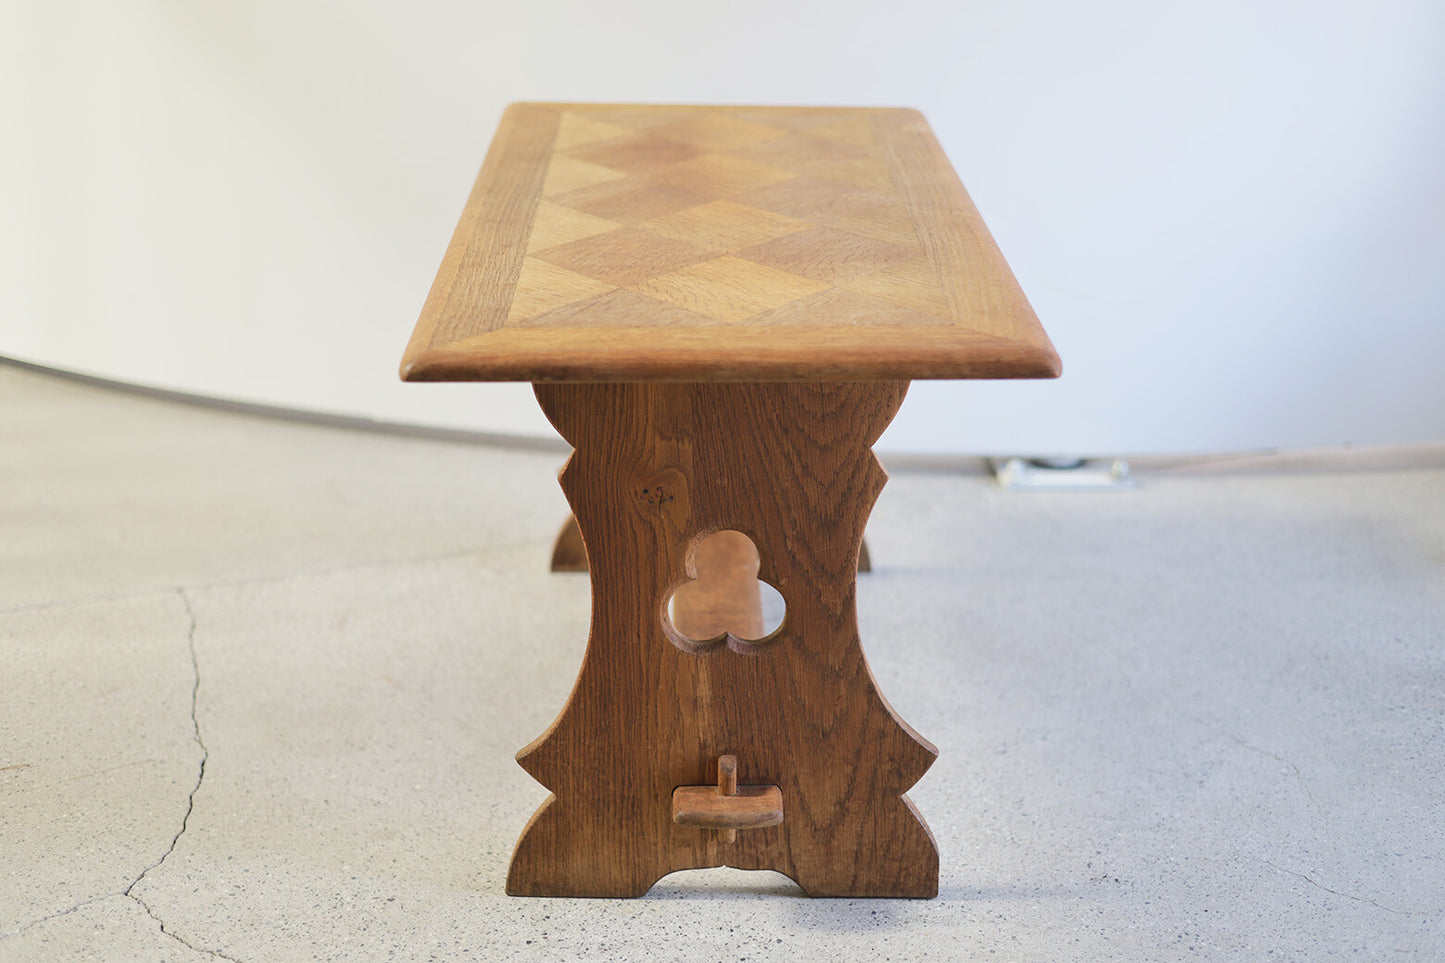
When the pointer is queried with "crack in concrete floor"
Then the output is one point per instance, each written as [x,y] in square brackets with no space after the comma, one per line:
[191,797]
[129,891]
[500,549]
[1336,892]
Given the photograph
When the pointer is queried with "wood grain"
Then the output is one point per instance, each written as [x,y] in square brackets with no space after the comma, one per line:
[569,554]
[658,467]
[721,244]
[952,231]
[473,289]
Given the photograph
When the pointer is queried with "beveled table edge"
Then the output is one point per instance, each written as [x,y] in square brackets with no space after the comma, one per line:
[760,354]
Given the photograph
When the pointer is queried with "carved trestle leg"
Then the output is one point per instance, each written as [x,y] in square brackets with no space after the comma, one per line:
[657,467]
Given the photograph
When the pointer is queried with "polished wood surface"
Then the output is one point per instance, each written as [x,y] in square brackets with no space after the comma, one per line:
[657,468]
[628,243]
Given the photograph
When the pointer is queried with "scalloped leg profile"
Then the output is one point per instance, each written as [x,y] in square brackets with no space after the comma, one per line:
[787,756]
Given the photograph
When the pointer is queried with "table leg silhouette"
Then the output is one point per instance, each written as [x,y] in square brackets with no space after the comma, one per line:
[657,468]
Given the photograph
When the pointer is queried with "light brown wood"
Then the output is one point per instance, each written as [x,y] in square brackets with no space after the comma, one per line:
[724,596]
[658,467]
[746,807]
[727,807]
[627,243]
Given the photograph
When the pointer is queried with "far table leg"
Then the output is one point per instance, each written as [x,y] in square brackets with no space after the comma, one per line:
[790,727]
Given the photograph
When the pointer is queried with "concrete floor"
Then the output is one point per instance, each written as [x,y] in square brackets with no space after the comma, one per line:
[263,682]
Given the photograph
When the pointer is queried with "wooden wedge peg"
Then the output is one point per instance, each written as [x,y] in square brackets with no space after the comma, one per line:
[727,806]
[727,775]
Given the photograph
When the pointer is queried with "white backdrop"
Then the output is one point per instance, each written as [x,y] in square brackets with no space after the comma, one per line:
[1230,216]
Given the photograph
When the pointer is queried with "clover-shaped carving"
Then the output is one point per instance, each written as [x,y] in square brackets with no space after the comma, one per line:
[724,600]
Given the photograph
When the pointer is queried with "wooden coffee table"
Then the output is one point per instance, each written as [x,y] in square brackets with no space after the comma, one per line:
[721,309]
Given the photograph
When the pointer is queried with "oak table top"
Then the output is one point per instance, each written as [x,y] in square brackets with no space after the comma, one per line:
[674,243]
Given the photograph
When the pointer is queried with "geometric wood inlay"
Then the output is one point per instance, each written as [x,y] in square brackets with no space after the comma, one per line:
[621,242]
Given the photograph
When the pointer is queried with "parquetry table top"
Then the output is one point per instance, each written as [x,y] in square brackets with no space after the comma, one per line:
[635,243]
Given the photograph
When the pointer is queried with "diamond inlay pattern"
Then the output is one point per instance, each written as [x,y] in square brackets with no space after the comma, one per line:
[695,217]
[632,242]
